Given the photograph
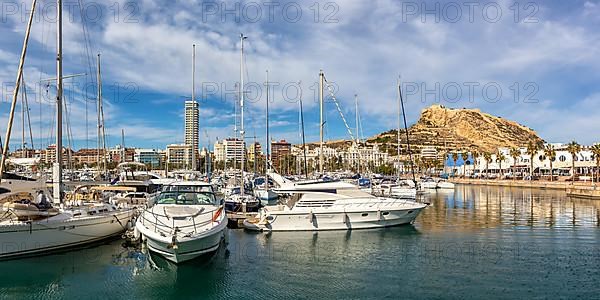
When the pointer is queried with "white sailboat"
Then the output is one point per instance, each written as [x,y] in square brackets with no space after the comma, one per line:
[242,201]
[186,222]
[263,192]
[29,228]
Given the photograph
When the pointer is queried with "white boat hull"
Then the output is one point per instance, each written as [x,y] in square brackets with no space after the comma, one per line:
[445,185]
[41,237]
[180,238]
[334,220]
[186,249]
[268,195]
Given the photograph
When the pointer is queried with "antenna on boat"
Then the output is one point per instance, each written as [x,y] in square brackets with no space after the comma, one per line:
[16,90]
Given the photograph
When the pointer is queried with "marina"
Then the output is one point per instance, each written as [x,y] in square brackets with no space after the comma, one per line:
[512,241]
[300,159]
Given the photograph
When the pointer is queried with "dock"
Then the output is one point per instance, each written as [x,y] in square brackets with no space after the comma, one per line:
[236,220]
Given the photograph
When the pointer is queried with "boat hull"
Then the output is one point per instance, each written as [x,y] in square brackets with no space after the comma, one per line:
[46,236]
[332,220]
[186,249]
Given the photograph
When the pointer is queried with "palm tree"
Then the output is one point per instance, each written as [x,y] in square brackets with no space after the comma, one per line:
[465,156]
[515,153]
[454,159]
[596,151]
[573,148]
[487,157]
[550,154]
[500,157]
[475,154]
[532,149]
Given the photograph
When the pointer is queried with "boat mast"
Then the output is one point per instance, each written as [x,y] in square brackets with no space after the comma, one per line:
[412,168]
[193,101]
[399,125]
[16,91]
[267,138]
[242,133]
[57,189]
[303,139]
[357,136]
[321,86]
[101,140]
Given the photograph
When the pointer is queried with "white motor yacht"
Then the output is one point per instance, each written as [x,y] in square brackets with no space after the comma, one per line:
[443,184]
[321,205]
[428,183]
[186,221]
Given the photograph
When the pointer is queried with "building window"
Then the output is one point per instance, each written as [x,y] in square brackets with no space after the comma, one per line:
[562,158]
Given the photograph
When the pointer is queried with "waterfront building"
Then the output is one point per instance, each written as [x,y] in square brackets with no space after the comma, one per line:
[118,154]
[279,150]
[229,149]
[147,156]
[50,154]
[585,163]
[254,151]
[179,156]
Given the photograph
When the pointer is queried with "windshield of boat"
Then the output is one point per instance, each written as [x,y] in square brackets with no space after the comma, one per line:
[187,195]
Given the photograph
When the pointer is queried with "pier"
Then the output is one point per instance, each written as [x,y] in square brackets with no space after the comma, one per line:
[586,190]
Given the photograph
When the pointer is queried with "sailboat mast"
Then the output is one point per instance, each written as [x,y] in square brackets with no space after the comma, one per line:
[99,108]
[357,136]
[399,125]
[321,86]
[193,101]
[242,133]
[412,167]
[267,137]
[57,189]
[16,91]
[303,139]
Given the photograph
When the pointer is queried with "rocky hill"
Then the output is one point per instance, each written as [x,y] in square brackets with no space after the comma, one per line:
[457,129]
[449,129]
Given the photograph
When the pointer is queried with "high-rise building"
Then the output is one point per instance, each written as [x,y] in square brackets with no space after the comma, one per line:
[192,129]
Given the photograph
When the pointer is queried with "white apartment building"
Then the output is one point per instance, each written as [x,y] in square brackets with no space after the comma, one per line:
[229,149]
[179,156]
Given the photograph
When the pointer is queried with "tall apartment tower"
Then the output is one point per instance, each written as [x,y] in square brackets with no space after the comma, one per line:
[192,129]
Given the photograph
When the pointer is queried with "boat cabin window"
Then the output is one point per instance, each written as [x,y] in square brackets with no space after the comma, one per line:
[4,190]
[187,195]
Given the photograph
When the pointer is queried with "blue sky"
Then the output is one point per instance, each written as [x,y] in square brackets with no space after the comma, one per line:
[548,52]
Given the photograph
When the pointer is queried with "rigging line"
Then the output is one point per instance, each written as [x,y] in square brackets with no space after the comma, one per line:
[332,95]
[69,134]
[88,53]
[27,110]
[412,167]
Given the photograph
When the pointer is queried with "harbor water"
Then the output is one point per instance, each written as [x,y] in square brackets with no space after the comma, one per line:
[477,242]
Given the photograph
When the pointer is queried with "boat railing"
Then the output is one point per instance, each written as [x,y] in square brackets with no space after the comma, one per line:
[158,224]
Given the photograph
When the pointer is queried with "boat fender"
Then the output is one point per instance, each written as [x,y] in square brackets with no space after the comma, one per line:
[311,216]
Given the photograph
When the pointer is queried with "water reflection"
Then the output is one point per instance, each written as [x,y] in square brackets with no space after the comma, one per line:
[470,241]
[474,207]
